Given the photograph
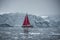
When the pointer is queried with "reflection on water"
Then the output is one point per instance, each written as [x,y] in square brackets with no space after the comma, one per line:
[16,33]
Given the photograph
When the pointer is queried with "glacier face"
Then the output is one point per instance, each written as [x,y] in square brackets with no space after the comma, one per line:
[16,19]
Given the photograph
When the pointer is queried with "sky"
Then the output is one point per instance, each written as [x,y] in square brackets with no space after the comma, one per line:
[34,7]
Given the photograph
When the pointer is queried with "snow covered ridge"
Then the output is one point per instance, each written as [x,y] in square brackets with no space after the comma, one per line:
[16,19]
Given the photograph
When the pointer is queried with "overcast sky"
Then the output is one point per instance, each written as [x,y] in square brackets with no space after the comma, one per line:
[35,7]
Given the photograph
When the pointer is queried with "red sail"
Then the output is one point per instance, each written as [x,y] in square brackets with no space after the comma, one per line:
[26,22]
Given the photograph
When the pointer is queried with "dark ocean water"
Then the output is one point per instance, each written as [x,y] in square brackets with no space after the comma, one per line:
[16,33]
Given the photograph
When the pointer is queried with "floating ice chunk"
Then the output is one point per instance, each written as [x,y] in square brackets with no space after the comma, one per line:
[8,32]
